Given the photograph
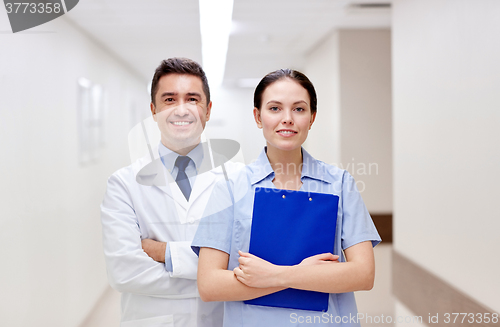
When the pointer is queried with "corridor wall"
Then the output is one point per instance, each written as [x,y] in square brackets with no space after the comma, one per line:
[446,77]
[50,241]
[351,71]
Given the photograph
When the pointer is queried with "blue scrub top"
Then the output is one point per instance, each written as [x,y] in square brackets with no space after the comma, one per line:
[227,223]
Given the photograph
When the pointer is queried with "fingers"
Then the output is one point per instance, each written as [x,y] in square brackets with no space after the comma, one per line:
[238,272]
[245,254]
[328,256]
[243,260]
[146,244]
[245,257]
[241,277]
[319,259]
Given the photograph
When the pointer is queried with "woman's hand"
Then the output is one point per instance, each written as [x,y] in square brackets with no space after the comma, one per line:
[256,272]
[319,259]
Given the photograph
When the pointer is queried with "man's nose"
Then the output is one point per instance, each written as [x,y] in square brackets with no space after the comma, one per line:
[182,109]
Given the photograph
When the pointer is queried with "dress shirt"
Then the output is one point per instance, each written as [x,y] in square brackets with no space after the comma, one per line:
[168,158]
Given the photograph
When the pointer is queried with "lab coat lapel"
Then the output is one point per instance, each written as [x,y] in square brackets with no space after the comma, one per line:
[153,173]
[176,192]
[161,178]
[202,183]
[205,178]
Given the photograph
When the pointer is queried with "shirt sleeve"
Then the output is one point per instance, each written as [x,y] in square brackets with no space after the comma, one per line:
[184,263]
[357,224]
[215,228]
[168,258]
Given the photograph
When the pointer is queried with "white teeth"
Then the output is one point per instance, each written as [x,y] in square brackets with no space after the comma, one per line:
[287,132]
[181,123]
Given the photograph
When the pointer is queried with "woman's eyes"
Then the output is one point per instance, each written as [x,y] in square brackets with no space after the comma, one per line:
[298,109]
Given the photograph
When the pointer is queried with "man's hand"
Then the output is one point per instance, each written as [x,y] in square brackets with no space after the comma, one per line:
[154,249]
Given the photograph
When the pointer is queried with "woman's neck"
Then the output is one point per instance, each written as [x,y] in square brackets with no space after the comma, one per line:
[287,167]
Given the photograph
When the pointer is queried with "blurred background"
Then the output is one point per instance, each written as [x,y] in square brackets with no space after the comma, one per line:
[408,102]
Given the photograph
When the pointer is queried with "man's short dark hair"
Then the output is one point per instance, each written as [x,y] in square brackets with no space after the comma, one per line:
[179,66]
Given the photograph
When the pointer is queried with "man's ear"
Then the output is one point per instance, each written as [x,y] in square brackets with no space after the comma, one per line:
[256,115]
[153,111]
[313,118]
[209,110]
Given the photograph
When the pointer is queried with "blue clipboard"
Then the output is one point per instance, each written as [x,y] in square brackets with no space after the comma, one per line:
[287,227]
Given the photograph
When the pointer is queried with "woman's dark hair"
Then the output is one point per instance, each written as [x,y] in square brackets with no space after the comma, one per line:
[279,75]
[179,66]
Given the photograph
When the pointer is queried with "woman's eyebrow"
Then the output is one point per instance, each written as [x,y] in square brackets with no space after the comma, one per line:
[296,102]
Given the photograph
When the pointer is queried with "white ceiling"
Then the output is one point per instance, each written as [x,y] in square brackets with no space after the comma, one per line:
[266,34]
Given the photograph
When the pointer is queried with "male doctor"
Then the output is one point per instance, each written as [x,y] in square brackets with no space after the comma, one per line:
[151,209]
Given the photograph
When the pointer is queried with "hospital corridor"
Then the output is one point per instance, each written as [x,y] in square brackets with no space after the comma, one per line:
[407,103]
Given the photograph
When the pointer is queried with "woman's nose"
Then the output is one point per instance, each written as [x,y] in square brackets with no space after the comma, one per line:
[287,118]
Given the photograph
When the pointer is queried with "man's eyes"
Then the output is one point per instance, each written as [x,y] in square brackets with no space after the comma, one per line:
[188,100]
[274,108]
[299,109]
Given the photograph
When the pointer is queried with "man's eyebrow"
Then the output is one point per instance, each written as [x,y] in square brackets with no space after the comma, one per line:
[273,101]
[168,94]
[194,94]
[301,101]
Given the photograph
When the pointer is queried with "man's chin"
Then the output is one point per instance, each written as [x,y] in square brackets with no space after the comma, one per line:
[181,141]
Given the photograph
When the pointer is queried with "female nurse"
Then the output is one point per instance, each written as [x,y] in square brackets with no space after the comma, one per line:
[285,109]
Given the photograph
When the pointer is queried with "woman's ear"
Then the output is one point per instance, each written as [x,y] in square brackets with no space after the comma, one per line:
[313,117]
[256,115]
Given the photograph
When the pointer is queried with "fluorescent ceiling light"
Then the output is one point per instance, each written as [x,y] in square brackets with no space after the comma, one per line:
[248,82]
[215,27]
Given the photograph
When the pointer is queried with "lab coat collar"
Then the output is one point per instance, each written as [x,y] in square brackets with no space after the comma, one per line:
[154,173]
[204,179]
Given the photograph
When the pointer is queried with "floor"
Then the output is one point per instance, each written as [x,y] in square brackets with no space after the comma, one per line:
[106,312]
[371,305]
[376,305]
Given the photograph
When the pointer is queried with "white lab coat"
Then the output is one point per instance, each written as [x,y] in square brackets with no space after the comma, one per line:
[152,296]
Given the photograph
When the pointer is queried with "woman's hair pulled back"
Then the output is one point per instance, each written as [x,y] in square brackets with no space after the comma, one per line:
[282,74]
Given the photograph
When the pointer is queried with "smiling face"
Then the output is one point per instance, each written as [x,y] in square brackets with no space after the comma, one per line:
[181,111]
[285,115]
